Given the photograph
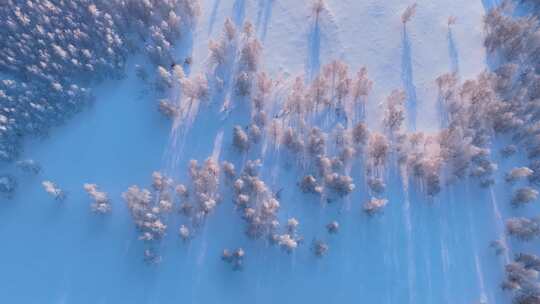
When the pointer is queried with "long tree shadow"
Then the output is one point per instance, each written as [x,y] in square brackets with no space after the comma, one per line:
[239,12]
[489,4]
[213,16]
[408,79]
[453,52]
[263,16]
[314,49]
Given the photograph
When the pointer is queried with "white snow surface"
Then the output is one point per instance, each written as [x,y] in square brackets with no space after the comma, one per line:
[416,251]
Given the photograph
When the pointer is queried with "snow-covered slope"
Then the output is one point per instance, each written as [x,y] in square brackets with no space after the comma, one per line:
[417,251]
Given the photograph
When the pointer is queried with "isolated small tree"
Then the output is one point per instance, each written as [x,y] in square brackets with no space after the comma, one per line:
[517,174]
[360,134]
[316,142]
[196,88]
[523,196]
[151,257]
[250,55]
[240,139]
[394,114]
[318,7]
[318,91]
[29,165]
[309,185]
[292,224]
[291,139]
[378,148]
[508,151]
[374,206]
[332,227]
[164,78]
[320,248]
[362,85]
[168,109]
[376,185]
[498,246]
[184,233]
[264,86]
[254,133]
[101,202]
[182,191]
[57,193]
[229,170]
[451,20]
[409,13]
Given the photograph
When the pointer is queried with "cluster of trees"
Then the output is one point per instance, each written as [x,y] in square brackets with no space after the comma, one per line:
[148,209]
[52,51]
[523,228]
[255,201]
[234,63]
[197,202]
[513,38]
[522,278]
[145,212]
[333,92]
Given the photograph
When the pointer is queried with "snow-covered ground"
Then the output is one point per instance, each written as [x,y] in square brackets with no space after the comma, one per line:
[417,251]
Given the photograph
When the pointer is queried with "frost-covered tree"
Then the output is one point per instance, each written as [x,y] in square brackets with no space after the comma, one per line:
[235,258]
[522,279]
[52,52]
[184,233]
[409,13]
[292,225]
[228,170]
[151,257]
[240,139]
[101,203]
[332,227]
[376,185]
[508,151]
[374,206]
[523,228]
[394,114]
[499,246]
[523,196]
[517,174]
[263,89]
[168,109]
[53,190]
[319,248]
[309,184]
[378,149]
[361,86]
[340,184]
[360,134]
[287,242]
[316,142]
